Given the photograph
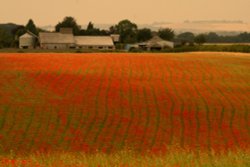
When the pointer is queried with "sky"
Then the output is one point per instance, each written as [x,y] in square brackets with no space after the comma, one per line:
[50,12]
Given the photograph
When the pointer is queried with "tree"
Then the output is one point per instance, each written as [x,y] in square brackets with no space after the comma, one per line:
[127,31]
[166,34]
[5,38]
[186,37]
[144,34]
[68,22]
[30,26]
[91,30]
[200,39]
[112,30]
[18,31]
[212,37]
[244,37]
[90,26]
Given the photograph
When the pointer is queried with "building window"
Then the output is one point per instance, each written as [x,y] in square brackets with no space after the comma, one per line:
[90,47]
[100,47]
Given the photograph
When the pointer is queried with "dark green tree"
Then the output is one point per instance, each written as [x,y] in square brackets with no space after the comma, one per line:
[186,37]
[127,31]
[69,22]
[113,30]
[244,37]
[18,31]
[166,34]
[92,31]
[200,39]
[144,34]
[30,26]
[90,26]
[212,37]
[5,38]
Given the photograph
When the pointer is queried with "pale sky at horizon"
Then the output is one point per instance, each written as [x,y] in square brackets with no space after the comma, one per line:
[50,12]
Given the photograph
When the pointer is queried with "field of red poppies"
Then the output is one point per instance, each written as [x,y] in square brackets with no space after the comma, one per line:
[108,101]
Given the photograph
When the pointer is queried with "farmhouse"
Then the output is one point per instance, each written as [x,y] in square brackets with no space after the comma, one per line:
[156,43]
[27,40]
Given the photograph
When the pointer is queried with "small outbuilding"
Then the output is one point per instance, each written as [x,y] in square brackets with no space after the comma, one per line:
[115,38]
[27,41]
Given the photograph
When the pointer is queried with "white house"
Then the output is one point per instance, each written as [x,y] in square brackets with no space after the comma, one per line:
[156,43]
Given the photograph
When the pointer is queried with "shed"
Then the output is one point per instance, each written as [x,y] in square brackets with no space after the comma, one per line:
[94,42]
[115,38]
[27,41]
[56,40]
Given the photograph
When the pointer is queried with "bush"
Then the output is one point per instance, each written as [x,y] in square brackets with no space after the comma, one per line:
[78,51]
[134,50]
[20,51]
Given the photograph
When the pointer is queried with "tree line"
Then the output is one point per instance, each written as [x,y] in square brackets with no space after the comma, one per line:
[212,37]
[128,31]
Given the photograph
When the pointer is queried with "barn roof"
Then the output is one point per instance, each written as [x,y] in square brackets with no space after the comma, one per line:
[56,38]
[26,35]
[94,40]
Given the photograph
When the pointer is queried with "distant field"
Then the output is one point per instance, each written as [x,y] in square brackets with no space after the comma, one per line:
[226,44]
[109,102]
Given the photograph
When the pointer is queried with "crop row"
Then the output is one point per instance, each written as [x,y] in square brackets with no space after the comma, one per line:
[111,101]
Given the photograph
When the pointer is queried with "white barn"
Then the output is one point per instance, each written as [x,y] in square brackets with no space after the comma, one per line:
[65,40]
[27,41]
[56,40]
[94,42]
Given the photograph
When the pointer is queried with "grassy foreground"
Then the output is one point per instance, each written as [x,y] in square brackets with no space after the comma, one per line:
[127,158]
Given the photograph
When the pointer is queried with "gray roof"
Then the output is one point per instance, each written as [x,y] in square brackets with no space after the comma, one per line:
[56,38]
[157,41]
[94,41]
